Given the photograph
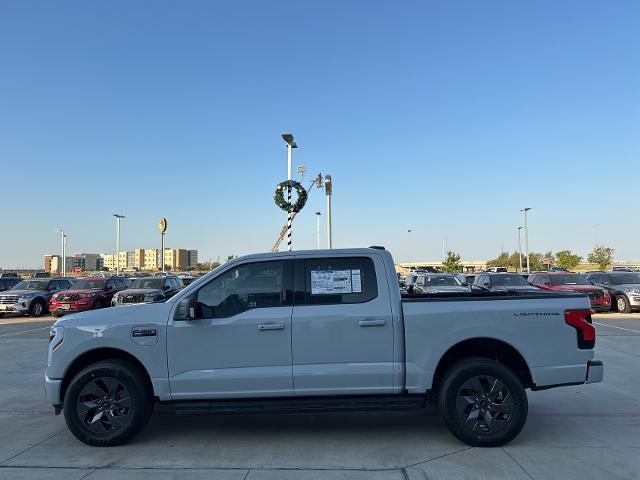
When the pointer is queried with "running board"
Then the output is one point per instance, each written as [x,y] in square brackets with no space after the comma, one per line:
[302,405]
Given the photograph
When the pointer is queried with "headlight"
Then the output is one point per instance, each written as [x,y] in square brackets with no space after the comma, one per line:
[56,335]
[26,296]
[632,290]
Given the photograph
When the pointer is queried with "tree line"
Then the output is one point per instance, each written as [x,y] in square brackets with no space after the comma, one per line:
[601,256]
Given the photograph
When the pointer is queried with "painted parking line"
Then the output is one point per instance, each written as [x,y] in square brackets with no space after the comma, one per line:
[24,331]
[606,325]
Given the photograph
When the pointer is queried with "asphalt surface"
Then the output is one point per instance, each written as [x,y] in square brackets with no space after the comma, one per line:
[582,432]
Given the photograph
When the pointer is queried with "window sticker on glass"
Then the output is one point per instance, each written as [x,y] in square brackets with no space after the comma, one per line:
[330,282]
[356,283]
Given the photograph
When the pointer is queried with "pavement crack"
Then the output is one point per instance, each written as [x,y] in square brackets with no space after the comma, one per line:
[517,463]
[32,446]
[436,458]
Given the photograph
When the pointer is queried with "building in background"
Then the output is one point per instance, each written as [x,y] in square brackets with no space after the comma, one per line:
[55,265]
[193,258]
[151,260]
[47,262]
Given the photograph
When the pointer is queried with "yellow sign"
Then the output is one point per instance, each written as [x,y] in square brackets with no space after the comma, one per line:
[162,225]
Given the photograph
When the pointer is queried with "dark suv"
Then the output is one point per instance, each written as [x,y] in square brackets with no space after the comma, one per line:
[624,288]
[7,283]
[503,282]
[148,290]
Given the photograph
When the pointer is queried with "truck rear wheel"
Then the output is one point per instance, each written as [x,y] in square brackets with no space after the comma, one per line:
[107,403]
[482,402]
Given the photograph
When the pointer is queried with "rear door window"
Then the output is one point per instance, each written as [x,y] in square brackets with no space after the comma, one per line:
[338,280]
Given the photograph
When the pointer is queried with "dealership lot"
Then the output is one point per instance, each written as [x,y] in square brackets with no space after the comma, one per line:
[586,432]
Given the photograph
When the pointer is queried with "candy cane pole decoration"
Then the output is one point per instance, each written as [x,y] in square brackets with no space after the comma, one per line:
[288,138]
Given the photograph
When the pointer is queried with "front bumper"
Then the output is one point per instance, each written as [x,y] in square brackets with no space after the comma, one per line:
[19,307]
[52,389]
[62,308]
[595,371]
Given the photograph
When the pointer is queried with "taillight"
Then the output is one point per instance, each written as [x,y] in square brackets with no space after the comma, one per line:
[581,321]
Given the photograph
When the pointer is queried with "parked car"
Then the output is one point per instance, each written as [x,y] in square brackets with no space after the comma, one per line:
[186,278]
[40,275]
[31,297]
[624,269]
[313,331]
[410,281]
[623,286]
[7,283]
[438,283]
[9,275]
[573,282]
[504,282]
[496,269]
[148,290]
[86,294]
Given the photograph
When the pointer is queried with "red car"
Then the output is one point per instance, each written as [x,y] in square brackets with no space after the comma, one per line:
[86,294]
[573,282]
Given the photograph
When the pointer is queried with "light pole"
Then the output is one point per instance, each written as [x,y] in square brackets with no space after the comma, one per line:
[519,249]
[328,186]
[288,138]
[318,230]
[63,253]
[409,232]
[526,236]
[117,257]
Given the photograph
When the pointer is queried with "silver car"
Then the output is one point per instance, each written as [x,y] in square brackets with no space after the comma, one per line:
[438,283]
[31,297]
[624,288]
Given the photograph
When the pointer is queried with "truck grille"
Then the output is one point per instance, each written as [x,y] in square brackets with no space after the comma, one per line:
[131,298]
[9,299]
[68,298]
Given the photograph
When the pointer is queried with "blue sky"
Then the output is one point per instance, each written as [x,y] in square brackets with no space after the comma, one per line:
[442,117]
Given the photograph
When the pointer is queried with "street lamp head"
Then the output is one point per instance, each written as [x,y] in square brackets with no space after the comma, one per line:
[526,209]
[117,215]
[288,138]
[520,228]
[409,231]
[318,213]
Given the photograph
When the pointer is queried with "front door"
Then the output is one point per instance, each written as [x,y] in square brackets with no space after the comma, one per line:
[342,327]
[239,343]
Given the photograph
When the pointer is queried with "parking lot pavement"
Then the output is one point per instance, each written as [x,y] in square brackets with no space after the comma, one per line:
[583,432]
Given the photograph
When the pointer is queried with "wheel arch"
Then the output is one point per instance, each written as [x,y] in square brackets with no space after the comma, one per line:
[485,347]
[97,355]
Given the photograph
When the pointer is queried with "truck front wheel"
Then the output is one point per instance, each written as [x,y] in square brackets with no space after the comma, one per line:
[107,403]
[482,402]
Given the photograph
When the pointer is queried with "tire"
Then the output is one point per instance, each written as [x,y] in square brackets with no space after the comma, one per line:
[99,303]
[476,409]
[37,308]
[622,304]
[95,406]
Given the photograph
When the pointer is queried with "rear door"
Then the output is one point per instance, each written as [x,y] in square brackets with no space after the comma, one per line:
[342,327]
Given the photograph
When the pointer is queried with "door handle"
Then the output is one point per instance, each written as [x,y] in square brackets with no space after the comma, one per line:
[271,326]
[372,323]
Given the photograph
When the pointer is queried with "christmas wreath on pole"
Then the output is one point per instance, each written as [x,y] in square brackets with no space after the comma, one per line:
[280,200]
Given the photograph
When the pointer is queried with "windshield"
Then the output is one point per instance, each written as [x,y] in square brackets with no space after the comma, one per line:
[89,284]
[508,281]
[155,283]
[623,278]
[32,285]
[439,281]
[569,279]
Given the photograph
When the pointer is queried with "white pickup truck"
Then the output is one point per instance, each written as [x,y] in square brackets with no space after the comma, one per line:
[312,331]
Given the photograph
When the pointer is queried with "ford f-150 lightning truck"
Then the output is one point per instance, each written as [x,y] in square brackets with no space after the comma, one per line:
[319,330]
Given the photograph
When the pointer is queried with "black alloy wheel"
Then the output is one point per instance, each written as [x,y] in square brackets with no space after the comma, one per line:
[483,402]
[108,402]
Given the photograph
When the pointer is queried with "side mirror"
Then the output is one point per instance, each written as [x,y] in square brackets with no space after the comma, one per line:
[167,287]
[486,285]
[547,284]
[185,310]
